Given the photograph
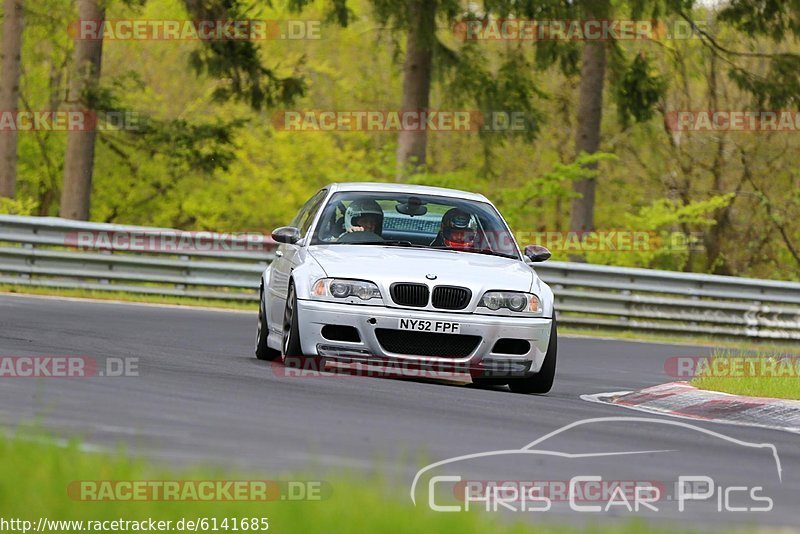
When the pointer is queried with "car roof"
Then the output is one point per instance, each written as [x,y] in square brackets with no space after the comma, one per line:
[406,188]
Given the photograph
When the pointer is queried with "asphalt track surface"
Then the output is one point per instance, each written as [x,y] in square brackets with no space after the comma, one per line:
[201,396]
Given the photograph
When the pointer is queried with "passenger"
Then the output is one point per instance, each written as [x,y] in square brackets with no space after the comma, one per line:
[456,230]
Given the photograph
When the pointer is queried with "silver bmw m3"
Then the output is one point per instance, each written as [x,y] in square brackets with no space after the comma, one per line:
[430,278]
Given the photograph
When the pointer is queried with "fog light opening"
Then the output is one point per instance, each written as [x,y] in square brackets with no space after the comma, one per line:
[511,346]
[335,332]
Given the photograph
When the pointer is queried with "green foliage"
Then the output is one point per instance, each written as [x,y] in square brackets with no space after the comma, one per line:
[199,163]
[779,87]
[397,14]
[664,220]
[664,212]
[238,62]
[772,18]
[17,206]
[187,147]
[638,90]
[522,205]
[451,180]
[583,167]
[338,10]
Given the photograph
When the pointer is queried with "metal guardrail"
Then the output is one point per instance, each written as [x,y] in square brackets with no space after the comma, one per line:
[60,253]
[53,252]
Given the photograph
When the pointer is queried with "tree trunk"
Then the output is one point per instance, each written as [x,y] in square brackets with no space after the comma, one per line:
[590,113]
[412,145]
[9,93]
[79,158]
[712,237]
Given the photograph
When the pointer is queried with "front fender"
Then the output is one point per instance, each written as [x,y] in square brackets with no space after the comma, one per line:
[304,276]
[545,294]
[265,277]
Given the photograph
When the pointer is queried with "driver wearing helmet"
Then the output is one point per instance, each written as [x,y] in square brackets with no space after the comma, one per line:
[456,229]
[363,221]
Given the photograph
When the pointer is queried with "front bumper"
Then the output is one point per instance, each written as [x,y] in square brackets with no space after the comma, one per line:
[313,315]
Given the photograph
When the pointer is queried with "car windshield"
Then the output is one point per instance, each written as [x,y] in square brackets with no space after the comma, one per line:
[414,220]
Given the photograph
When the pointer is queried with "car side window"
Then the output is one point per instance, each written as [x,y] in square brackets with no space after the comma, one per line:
[305,216]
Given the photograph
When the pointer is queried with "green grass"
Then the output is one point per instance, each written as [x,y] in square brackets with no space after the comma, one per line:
[35,475]
[756,378]
[765,346]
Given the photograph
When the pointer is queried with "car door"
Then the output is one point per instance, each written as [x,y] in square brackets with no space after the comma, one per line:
[287,257]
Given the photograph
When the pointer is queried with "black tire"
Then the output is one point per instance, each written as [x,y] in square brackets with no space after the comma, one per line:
[291,330]
[292,350]
[541,382]
[263,351]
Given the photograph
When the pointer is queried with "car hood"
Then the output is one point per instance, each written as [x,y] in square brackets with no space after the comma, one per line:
[388,264]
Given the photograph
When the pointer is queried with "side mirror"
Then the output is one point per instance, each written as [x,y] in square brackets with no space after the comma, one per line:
[537,253]
[286,234]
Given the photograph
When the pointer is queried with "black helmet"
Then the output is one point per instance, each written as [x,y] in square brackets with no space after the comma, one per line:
[457,229]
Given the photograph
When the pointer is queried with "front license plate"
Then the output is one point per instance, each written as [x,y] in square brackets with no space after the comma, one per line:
[421,325]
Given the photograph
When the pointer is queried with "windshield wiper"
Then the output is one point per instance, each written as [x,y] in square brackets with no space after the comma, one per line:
[477,251]
[403,243]
[392,242]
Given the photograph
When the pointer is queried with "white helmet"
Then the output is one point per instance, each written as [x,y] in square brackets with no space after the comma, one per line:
[360,207]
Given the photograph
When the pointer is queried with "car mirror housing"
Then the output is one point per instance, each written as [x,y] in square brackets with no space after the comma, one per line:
[286,234]
[537,253]
[413,207]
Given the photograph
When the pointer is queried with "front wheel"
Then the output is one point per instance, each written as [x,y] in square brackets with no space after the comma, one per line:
[292,350]
[291,330]
[541,382]
[263,350]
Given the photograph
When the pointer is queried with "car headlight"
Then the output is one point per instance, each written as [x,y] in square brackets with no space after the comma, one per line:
[339,289]
[503,302]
